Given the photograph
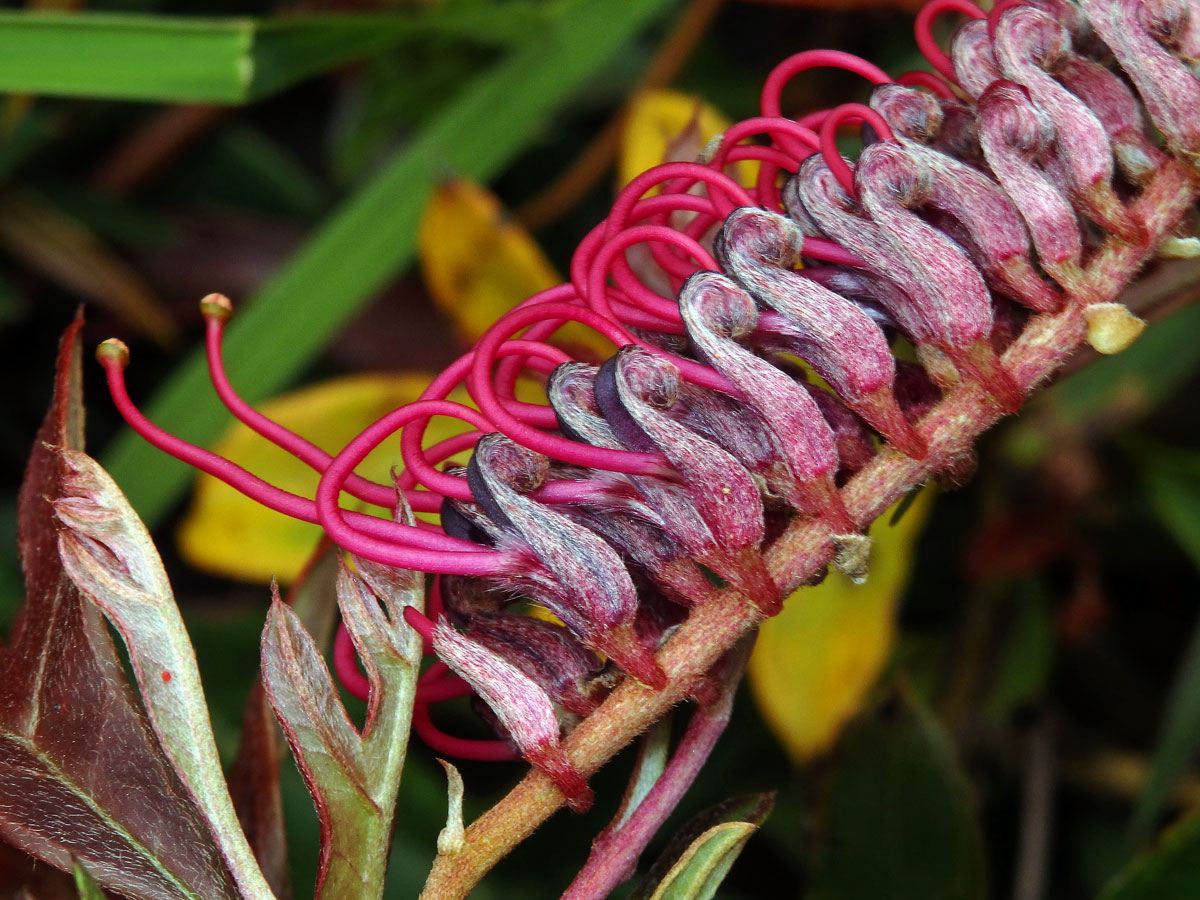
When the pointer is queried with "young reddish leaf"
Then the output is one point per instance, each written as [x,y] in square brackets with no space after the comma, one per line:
[328,750]
[108,554]
[81,777]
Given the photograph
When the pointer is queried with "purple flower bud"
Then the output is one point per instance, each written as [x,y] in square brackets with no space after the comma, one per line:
[577,575]
[1015,135]
[832,334]
[1029,45]
[716,312]
[975,63]
[635,389]
[547,653]
[945,302]
[1168,88]
[983,219]
[523,708]
[1118,110]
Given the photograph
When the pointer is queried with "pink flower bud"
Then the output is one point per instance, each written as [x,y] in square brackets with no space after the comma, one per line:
[1029,45]
[1015,135]
[829,332]
[577,575]
[523,708]
[1168,88]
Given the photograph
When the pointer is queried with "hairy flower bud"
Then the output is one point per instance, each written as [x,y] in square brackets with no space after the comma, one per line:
[578,576]
[1029,45]
[635,389]
[716,312]
[1015,135]
[523,708]
[547,653]
[1166,84]
[840,341]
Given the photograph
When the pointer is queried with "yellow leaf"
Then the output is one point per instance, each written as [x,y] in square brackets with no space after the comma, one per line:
[228,534]
[814,663]
[666,126]
[477,263]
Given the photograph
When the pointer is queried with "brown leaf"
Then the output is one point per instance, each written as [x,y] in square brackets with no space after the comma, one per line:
[51,242]
[81,777]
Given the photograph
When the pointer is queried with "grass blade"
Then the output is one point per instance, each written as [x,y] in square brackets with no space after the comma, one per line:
[227,60]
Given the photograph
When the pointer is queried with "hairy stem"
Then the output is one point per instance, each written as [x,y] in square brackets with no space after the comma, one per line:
[806,547]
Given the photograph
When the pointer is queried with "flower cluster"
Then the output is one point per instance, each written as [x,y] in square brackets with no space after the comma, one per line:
[772,340]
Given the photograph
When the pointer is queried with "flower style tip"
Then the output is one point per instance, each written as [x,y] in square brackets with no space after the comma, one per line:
[113,353]
[216,306]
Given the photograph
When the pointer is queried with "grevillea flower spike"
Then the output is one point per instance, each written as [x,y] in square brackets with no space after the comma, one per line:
[661,504]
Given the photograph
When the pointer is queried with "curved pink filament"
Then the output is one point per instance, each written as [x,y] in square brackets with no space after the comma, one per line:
[284,438]
[463,748]
[922,28]
[927,80]
[848,113]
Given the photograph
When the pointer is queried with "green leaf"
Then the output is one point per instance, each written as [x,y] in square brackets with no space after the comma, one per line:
[373,236]
[1170,872]
[705,864]
[899,820]
[1023,666]
[194,60]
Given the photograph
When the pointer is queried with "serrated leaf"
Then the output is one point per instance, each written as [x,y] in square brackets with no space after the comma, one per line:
[814,663]
[899,819]
[81,777]
[1171,871]
[705,864]
[328,750]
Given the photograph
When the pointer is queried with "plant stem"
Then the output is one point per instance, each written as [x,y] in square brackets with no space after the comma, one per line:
[950,430]
[615,853]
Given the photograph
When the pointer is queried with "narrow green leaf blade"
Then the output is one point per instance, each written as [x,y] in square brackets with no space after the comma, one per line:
[373,235]
[125,57]
[175,59]
[705,864]
[86,885]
